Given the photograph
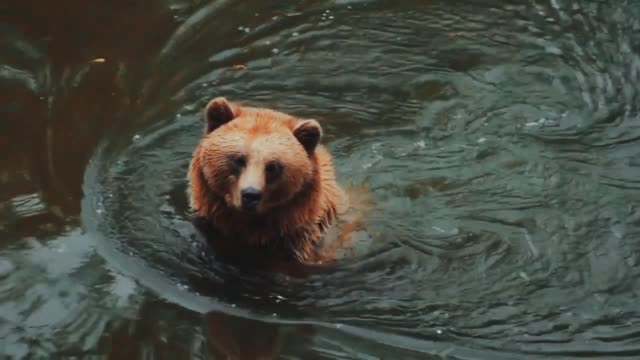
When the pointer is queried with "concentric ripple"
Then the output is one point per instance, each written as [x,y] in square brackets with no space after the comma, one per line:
[499,141]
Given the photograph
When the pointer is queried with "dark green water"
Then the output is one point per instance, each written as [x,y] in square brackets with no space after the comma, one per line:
[500,140]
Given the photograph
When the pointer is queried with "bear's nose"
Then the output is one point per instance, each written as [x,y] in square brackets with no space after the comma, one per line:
[250,198]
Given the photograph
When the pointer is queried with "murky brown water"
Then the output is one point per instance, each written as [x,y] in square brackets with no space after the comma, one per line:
[500,139]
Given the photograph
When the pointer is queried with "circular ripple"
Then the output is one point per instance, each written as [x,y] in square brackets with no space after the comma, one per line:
[501,153]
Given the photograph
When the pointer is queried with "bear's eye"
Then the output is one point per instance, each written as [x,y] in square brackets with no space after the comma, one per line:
[272,170]
[237,161]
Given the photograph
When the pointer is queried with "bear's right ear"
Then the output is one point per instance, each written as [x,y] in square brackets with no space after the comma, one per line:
[217,113]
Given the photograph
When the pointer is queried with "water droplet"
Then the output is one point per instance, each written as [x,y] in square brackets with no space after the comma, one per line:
[295,34]
[179,116]
[233,305]
[481,140]
[275,51]
[439,332]
[274,314]
[99,211]
[331,17]
[136,137]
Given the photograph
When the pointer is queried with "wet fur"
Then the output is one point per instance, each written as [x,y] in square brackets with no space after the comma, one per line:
[296,215]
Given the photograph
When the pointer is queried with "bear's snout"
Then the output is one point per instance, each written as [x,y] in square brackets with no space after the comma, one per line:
[250,198]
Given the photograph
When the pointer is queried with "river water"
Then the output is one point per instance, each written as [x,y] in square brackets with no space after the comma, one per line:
[499,139]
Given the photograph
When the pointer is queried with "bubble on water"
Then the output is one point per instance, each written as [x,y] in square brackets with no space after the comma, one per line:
[182,286]
[136,137]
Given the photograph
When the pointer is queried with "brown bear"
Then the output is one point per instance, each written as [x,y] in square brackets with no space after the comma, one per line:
[265,184]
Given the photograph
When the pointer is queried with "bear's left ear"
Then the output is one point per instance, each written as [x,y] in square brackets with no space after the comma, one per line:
[308,132]
[218,112]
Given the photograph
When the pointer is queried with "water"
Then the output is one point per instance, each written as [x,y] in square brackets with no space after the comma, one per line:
[500,140]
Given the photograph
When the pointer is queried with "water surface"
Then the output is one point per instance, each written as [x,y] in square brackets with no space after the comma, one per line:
[500,140]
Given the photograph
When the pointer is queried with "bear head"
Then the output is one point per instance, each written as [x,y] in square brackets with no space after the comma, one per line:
[255,160]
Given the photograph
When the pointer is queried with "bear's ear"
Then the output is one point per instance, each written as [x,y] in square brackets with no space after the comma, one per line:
[308,132]
[217,113]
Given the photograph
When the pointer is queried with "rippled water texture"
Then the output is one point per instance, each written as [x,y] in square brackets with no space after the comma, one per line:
[500,140]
